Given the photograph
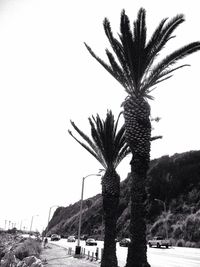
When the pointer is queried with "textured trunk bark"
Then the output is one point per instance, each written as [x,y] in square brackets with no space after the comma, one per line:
[138,133]
[137,251]
[110,193]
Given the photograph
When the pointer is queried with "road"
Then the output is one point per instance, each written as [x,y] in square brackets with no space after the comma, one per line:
[157,257]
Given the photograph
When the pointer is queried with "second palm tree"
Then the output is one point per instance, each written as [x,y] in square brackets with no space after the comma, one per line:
[108,146]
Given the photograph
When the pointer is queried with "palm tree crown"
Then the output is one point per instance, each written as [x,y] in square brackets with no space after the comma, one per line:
[135,70]
[108,144]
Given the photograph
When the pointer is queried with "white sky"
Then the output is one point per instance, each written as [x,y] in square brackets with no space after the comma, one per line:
[47,77]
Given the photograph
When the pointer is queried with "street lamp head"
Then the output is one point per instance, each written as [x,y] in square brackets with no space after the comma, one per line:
[92,174]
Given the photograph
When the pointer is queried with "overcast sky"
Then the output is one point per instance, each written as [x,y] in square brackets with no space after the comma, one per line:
[47,77]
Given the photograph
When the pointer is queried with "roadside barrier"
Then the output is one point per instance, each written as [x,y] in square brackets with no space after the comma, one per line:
[94,255]
[91,255]
[69,251]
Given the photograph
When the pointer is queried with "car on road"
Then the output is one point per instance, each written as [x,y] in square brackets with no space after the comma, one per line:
[55,237]
[71,238]
[84,237]
[90,242]
[124,242]
[159,241]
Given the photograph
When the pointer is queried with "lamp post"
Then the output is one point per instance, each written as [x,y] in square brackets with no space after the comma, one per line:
[49,218]
[32,222]
[78,247]
[165,211]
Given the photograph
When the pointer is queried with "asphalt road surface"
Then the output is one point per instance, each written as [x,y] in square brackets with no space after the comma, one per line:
[157,257]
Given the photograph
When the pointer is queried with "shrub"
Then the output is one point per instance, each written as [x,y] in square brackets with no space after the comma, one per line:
[194,196]
[30,247]
[158,227]
[190,244]
[180,243]
[177,231]
[192,227]
[172,241]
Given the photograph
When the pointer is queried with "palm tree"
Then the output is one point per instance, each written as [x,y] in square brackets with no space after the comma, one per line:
[108,146]
[137,71]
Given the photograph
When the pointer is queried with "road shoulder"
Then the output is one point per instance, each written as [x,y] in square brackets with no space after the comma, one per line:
[55,256]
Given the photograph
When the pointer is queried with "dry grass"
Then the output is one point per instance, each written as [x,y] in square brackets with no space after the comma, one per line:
[29,247]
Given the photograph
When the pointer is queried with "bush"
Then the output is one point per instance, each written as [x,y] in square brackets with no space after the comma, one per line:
[177,231]
[172,241]
[30,247]
[158,228]
[191,227]
[180,243]
[190,244]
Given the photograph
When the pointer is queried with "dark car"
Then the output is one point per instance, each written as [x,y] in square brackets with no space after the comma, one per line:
[90,242]
[125,242]
[55,237]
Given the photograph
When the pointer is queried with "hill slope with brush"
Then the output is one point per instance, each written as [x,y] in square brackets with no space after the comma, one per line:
[175,180]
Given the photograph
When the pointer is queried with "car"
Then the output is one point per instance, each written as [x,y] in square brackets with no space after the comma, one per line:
[90,242]
[71,238]
[55,237]
[159,241]
[84,237]
[124,242]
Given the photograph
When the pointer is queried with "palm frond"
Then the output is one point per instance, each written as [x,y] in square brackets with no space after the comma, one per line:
[115,67]
[161,36]
[135,71]
[108,144]
[120,145]
[124,152]
[161,69]
[120,79]
[153,138]
[116,124]
[95,151]
[96,156]
[97,136]
[139,27]
[128,44]
[118,49]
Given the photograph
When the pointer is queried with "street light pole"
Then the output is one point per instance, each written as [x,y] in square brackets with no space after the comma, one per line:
[165,211]
[78,247]
[49,217]
[32,222]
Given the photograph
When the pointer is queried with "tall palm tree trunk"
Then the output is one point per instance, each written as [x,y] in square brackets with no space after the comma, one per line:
[110,194]
[138,133]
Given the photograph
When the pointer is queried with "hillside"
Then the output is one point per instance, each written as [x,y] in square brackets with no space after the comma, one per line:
[175,180]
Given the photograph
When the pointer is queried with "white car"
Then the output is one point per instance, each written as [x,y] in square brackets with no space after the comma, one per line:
[71,239]
[159,241]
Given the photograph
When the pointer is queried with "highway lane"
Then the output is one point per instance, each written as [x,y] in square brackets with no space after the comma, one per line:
[157,257]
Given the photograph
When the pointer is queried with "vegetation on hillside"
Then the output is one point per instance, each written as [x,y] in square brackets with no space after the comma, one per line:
[175,180]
